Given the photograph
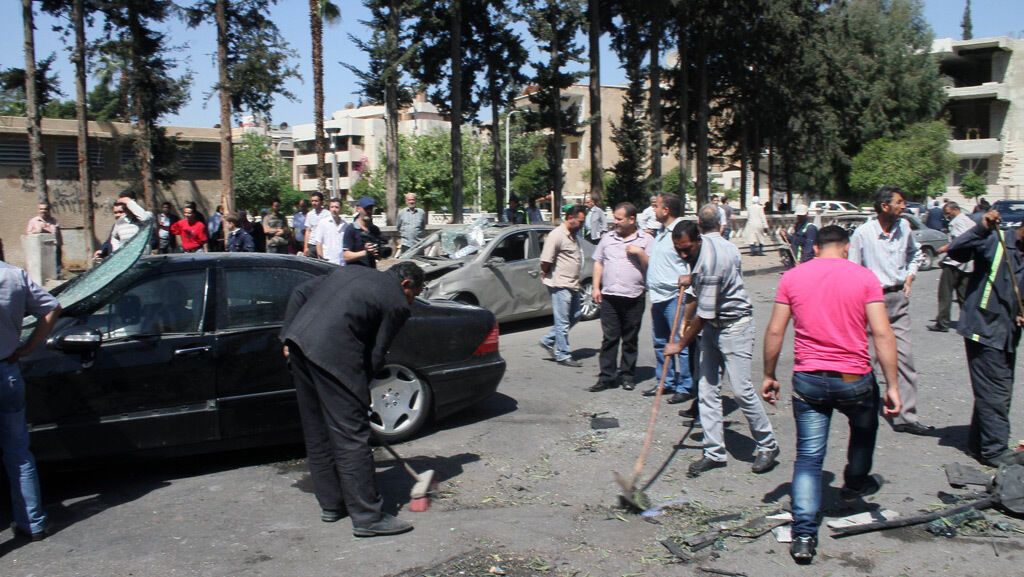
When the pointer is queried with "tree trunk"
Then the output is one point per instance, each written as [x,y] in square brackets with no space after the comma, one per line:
[227,159]
[84,170]
[655,105]
[456,121]
[684,115]
[771,177]
[702,120]
[596,166]
[316,28]
[556,140]
[744,167]
[755,158]
[391,120]
[496,167]
[143,116]
[35,131]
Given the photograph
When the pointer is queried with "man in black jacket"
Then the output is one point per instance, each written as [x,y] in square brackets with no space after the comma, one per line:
[990,323]
[337,331]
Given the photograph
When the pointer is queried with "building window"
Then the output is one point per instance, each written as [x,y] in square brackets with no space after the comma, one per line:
[67,155]
[978,166]
[128,156]
[14,153]
[356,140]
[200,159]
[574,150]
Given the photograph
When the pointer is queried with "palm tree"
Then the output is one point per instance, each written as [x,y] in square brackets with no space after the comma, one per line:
[35,133]
[320,11]
[84,176]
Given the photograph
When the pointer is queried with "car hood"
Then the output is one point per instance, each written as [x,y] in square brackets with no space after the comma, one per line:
[436,269]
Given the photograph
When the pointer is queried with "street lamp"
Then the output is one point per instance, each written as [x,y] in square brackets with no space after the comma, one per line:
[508,158]
[332,132]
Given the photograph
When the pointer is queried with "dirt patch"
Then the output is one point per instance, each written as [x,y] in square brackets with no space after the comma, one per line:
[478,563]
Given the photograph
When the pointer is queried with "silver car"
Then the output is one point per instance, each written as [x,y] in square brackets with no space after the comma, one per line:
[930,240]
[495,266]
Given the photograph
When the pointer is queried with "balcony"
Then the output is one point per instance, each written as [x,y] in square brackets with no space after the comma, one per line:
[976,148]
[996,90]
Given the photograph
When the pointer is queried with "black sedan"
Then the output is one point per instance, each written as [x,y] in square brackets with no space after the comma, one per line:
[179,353]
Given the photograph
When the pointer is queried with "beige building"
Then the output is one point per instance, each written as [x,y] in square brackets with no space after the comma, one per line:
[110,152]
[985,89]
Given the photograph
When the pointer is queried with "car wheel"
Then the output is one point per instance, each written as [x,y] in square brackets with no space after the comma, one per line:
[400,403]
[590,310]
[929,257]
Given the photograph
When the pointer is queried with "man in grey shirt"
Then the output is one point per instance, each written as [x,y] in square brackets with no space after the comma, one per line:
[721,309]
[20,296]
[411,223]
[954,274]
[886,247]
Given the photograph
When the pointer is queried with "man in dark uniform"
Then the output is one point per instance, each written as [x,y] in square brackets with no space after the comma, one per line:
[990,323]
[336,333]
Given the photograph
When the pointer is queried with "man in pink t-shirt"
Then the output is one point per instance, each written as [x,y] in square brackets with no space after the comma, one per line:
[832,301]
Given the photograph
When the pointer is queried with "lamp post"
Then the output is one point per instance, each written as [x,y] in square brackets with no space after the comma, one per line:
[508,157]
[332,132]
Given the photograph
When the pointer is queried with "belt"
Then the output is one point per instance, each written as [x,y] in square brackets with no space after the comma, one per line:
[722,323]
[893,288]
[846,377]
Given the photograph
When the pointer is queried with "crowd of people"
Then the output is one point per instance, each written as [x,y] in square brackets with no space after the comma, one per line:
[846,290]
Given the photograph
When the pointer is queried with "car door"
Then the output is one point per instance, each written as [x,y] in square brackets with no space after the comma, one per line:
[254,389]
[513,287]
[149,385]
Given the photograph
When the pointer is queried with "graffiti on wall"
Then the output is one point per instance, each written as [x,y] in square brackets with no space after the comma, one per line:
[65,190]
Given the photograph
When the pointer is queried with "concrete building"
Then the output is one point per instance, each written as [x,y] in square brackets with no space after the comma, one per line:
[110,155]
[985,86]
[358,142]
[279,137]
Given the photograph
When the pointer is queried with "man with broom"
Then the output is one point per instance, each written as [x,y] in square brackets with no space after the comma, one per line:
[990,323]
[831,300]
[334,345]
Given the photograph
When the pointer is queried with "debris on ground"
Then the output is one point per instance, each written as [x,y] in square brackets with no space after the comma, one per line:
[482,563]
[951,526]
[863,518]
[960,476]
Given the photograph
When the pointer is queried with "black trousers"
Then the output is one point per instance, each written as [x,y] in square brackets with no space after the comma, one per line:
[952,281]
[991,372]
[336,428]
[620,322]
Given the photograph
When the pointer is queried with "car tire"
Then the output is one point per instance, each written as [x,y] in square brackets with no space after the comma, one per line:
[590,310]
[400,403]
[929,258]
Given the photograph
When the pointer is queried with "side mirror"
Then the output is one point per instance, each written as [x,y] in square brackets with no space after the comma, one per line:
[494,261]
[77,339]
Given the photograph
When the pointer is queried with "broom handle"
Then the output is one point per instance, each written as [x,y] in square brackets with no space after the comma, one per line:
[1013,273]
[394,454]
[642,458]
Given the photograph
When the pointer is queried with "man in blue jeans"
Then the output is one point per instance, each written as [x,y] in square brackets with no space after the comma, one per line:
[20,296]
[831,300]
[561,260]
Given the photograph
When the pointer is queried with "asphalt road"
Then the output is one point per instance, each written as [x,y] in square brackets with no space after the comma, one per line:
[526,487]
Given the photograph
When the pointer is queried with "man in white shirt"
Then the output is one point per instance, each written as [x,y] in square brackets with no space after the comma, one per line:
[312,218]
[327,236]
[954,274]
[648,221]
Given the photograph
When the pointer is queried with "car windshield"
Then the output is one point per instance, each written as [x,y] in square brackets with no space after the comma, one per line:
[92,287]
[1014,208]
[455,242]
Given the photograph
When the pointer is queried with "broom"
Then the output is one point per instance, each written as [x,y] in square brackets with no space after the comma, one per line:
[1013,273]
[419,497]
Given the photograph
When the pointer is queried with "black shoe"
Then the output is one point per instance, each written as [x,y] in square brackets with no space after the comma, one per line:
[22,534]
[1007,457]
[702,466]
[803,548]
[937,328]
[570,362]
[765,461]
[677,398]
[332,515]
[871,486]
[387,525]
[602,386]
[627,382]
[914,429]
[651,391]
[692,413]
[549,349]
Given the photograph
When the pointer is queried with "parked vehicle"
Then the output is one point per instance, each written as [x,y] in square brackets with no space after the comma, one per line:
[496,266]
[916,208]
[1010,211]
[179,353]
[930,240]
[831,207]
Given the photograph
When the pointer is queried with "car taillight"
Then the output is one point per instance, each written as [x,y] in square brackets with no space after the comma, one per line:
[489,344]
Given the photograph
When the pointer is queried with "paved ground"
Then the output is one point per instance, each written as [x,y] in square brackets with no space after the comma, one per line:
[526,490]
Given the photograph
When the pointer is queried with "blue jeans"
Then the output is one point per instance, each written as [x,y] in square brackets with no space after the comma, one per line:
[565,304]
[814,398]
[678,378]
[18,461]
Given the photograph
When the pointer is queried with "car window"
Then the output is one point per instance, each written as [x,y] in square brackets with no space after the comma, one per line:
[166,304]
[512,247]
[259,296]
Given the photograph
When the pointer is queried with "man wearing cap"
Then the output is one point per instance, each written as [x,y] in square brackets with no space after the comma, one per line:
[804,234]
[360,242]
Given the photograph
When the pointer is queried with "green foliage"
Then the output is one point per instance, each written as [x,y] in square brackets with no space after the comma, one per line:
[389,54]
[965,23]
[260,175]
[917,161]
[630,135]
[12,91]
[973,185]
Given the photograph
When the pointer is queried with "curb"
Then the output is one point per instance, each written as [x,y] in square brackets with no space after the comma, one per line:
[764,271]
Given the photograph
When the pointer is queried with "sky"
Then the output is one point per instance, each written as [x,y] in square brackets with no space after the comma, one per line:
[194,49]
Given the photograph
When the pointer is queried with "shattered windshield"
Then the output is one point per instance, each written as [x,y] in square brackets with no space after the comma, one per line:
[455,242]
